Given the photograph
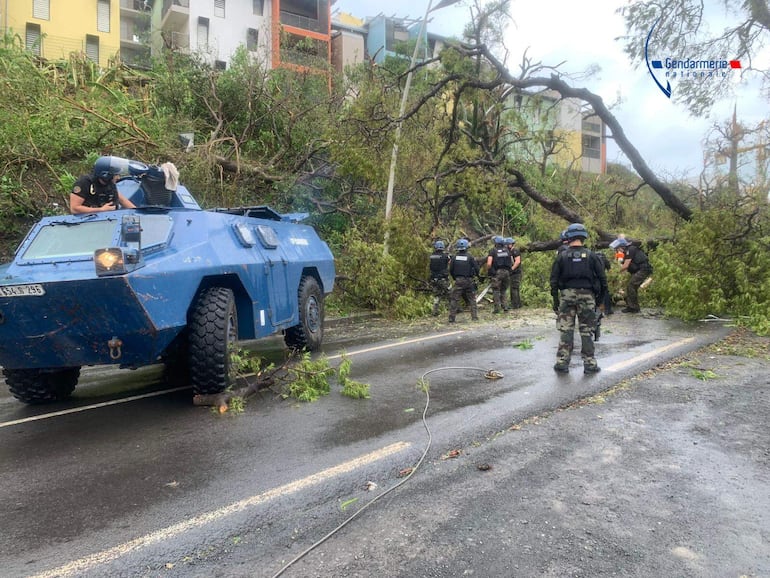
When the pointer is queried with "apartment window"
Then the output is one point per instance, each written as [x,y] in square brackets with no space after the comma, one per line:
[220,65]
[92,48]
[219,8]
[103,16]
[203,33]
[33,40]
[592,146]
[258,6]
[252,39]
[591,126]
[41,9]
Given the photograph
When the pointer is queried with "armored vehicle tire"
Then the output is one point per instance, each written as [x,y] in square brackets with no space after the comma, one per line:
[308,334]
[213,327]
[35,386]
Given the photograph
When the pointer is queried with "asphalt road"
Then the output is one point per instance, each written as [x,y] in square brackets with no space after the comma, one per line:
[521,477]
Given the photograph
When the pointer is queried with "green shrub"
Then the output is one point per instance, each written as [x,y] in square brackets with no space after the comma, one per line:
[711,271]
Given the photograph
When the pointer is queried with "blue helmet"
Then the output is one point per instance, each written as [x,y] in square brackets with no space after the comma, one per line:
[576,231]
[498,240]
[104,169]
[438,245]
[510,240]
[619,242]
[462,244]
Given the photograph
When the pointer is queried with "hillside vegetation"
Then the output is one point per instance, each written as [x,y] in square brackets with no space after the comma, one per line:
[297,142]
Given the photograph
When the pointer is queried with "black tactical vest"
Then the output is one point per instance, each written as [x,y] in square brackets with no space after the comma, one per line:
[461,266]
[502,259]
[576,271]
[438,264]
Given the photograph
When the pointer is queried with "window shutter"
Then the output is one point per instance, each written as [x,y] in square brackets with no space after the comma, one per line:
[103,16]
[32,41]
[92,48]
[219,8]
[41,9]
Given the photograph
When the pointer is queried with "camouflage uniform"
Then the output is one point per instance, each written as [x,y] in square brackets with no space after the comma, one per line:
[578,303]
[577,278]
[499,262]
[439,278]
[639,269]
[515,279]
[440,288]
[463,268]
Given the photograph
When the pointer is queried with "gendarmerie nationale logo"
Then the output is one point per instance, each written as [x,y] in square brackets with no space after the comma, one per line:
[692,68]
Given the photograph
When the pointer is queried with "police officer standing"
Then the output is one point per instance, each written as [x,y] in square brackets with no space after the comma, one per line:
[515,272]
[577,282]
[636,262]
[463,269]
[499,264]
[439,275]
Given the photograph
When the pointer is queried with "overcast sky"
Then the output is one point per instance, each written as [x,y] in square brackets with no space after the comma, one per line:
[583,34]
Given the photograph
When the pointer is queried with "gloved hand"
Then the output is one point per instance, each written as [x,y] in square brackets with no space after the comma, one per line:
[555,297]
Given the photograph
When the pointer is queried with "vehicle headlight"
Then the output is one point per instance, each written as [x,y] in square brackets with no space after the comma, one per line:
[109,261]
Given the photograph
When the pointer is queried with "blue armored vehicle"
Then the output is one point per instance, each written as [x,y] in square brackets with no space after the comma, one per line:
[165,282]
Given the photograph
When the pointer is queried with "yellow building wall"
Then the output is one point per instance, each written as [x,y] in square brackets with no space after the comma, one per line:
[572,147]
[66,29]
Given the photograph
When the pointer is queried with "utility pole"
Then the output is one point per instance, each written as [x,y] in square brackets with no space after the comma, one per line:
[399,122]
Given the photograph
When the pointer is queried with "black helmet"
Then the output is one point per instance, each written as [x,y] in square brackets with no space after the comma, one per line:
[576,231]
[104,169]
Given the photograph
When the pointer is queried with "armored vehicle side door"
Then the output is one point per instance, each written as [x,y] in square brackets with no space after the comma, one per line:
[281,296]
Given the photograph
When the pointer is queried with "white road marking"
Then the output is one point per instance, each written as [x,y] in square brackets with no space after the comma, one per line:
[90,562]
[398,344]
[43,416]
[157,393]
[649,355]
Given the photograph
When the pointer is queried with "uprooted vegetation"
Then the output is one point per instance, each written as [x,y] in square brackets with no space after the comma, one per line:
[285,139]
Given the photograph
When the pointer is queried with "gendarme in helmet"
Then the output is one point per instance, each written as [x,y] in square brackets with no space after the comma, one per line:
[439,245]
[619,243]
[462,244]
[576,231]
[498,240]
[104,169]
[510,241]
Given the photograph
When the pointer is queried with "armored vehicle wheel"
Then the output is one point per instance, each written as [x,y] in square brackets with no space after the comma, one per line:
[309,332]
[213,327]
[41,386]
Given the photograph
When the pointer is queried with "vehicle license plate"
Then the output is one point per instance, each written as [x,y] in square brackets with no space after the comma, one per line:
[34,289]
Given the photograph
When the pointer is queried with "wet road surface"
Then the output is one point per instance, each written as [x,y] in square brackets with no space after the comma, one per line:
[155,486]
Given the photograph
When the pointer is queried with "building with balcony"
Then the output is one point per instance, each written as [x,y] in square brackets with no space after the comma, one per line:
[377,38]
[54,30]
[558,131]
[135,32]
[288,33]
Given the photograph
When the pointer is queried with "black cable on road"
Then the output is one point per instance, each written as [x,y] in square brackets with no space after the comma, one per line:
[488,374]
